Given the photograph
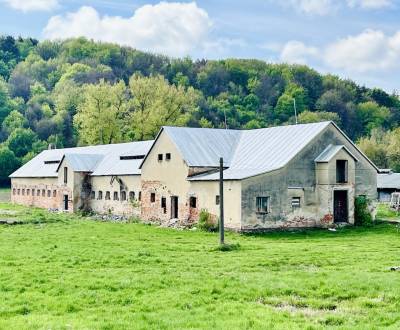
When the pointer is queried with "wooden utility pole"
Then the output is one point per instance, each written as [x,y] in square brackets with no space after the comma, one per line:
[221,202]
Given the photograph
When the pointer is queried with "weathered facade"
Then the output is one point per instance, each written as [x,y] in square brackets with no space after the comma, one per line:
[282,177]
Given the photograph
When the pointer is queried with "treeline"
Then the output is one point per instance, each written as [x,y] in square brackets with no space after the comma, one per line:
[77,91]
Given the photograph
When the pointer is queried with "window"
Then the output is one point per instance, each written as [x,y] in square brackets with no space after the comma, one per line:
[115,196]
[108,195]
[152,197]
[168,156]
[43,193]
[341,171]
[217,200]
[131,195]
[140,196]
[48,193]
[100,195]
[193,202]
[54,193]
[160,157]
[18,191]
[38,192]
[295,202]
[33,192]
[123,195]
[132,157]
[262,204]
[93,195]
[65,175]
[14,191]
[47,162]
[23,192]
[164,204]
[28,192]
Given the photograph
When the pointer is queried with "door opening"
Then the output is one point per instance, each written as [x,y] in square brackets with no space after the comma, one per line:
[174,207]
[340,211]
[65,202]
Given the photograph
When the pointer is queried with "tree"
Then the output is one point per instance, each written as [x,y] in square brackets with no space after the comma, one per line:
[5,108]
[100,117]
[371,115]
[393,149]
[376,147]
[13,121]
[21,140]
[285,106]
[156,103]
[8,164]
[316,117]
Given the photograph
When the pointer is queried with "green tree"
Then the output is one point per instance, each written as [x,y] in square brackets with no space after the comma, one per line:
[371,115]
[8,164]
[13,121]
[285,106]
[318,116]
[5,108]
[156,103]
[21,140]
[100,117]
[376,147]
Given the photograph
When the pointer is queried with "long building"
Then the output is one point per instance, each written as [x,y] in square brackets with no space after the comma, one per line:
[304,175]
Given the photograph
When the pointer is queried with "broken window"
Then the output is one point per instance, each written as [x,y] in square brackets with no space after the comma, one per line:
[217,200]
[123,195]
[341,171]
[14,191]
[65,175]
[152,197]
[295,202]
[193,202]
[108,195]
[93,195]
[115,195]
[54,193]
[100,195]
[262,204]
[168,156]
[131,195]
[164,204]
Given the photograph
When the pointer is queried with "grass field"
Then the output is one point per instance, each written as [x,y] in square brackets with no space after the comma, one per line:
[68,272]
[384,212]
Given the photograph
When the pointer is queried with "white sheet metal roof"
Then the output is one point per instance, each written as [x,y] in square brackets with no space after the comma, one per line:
[84,157]
[264,150]
[82,162]
[330,152]
[388,181]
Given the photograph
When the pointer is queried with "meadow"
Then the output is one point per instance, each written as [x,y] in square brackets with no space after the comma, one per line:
[71,272]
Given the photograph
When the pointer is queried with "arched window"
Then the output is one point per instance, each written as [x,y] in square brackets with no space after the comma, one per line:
[28,192]
[38,192]
[18,191]
[14,191]
[23,192]
[100,195]
[48,193]
[123,195]
[54,193]
[131,195]
[33,192]
[43,192]
[108,196]
[115,195]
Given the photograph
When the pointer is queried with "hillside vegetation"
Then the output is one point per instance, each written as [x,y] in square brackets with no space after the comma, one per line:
[82,92]
[62,271]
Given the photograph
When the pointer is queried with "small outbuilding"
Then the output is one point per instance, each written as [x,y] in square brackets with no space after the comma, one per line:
[387,183]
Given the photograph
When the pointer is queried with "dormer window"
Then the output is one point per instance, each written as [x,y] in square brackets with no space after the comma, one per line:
[341,171]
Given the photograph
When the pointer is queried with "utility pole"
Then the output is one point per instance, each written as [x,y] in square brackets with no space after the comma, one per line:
[295,109]
[221,202]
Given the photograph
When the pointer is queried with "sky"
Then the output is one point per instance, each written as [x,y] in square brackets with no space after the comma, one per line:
[356,39]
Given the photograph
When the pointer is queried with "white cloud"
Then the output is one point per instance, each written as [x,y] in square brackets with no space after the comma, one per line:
[371,50]
[313,7]
[32,5]
[170,28]
[296,52]
[369,4]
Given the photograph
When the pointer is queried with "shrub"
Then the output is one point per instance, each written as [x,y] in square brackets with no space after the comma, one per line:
[206,222]
[362,215]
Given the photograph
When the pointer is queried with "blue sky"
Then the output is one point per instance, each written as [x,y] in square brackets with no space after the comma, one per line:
[357,39]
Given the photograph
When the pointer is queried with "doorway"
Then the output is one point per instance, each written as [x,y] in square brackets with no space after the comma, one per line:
[65,202]
[340,208]
[174,207]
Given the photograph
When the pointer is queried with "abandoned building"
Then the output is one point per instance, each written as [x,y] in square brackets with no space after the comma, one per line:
[387,183]
[305,175]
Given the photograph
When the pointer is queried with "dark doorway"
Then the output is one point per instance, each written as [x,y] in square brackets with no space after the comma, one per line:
[66,202]
[174,207]
[340,211]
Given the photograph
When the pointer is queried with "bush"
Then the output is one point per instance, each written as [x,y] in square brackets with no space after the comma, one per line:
[206,222]
[362,215]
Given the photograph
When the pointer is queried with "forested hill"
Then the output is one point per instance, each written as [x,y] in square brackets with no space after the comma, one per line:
[81,92]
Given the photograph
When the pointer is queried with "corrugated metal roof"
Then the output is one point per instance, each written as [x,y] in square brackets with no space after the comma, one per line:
[109,165]
[82,162]
[264,150]
[388,181]
[330,152]
[204,146]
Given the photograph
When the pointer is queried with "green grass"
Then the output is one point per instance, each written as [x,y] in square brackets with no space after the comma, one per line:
[384,212]
[74,273]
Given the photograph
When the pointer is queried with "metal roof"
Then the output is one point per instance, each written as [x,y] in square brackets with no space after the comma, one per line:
[85,157]
[81,162]
[388,181]
[330,152]
[265,150]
